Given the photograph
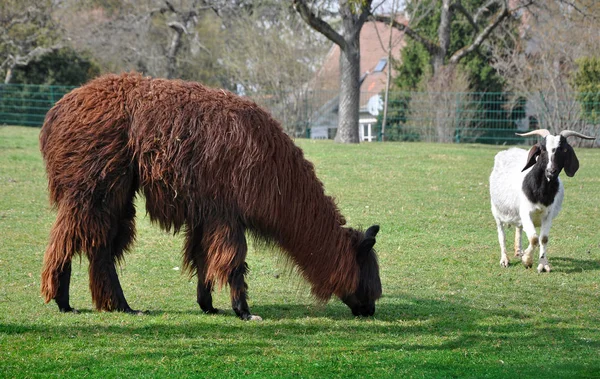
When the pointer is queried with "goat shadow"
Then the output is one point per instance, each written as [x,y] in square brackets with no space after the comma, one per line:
[572,265]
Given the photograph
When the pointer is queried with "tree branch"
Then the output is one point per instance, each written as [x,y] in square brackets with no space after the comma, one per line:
[483,9]
[178,27]
[503,14]
[318,24]
[430,46]
[459,7]
[37,52]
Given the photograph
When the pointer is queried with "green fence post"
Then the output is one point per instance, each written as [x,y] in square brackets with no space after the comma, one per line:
[457,119]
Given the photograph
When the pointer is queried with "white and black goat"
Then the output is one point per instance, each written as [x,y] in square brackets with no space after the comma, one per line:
[527,193]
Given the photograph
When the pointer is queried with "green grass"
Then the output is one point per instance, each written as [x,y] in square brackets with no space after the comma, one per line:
[448,308]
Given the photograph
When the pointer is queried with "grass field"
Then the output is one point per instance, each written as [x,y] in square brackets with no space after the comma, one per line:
[448,308]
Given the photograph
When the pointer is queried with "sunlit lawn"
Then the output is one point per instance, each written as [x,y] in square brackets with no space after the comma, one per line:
[448,308]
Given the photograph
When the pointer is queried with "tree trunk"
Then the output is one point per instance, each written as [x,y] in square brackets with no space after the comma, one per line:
[347,131]
[439,55]
[9,75]
[172,53]
[349,42]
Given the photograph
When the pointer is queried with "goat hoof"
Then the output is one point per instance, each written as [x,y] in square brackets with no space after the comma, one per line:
[527,261]
[543,268]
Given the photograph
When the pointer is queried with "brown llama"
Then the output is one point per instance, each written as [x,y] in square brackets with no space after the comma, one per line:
[206,160]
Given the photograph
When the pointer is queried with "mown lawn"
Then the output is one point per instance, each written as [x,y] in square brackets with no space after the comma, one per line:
[448,308]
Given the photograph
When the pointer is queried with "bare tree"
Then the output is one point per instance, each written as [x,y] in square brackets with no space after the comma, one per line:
[353,14]
[183,21]
[271,56]
[159,37]
[484,21]
[27,31]
[540,69]
[388,79]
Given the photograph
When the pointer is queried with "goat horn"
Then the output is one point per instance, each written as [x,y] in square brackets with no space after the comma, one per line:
[569,133]
[539,132]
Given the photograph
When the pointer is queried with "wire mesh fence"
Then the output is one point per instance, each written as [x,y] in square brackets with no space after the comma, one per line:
[23,104]
[448,117]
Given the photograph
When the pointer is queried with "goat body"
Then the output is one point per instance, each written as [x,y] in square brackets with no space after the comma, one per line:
[526,192]
[525,200]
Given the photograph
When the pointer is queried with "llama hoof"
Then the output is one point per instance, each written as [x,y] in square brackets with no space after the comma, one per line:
[249,317]
[68,310]
[133,312]
[211,311]
[504,262]
[543,268]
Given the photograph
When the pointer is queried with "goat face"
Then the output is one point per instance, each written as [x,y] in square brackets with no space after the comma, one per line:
[362,301]
[555,153]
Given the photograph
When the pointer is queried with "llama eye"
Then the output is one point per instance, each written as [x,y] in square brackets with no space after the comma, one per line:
[565,150]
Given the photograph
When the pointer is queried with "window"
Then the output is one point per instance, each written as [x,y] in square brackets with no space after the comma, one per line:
[380,65]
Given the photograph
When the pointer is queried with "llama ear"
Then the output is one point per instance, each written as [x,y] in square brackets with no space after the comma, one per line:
[372,231]
[367,244]
[533,154]
[571,162]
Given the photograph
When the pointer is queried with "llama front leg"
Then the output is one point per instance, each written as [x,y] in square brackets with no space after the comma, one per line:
[204,296]
[226,249]
[239,290]
[195,259]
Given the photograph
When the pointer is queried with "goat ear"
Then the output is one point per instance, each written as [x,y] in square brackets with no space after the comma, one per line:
[571,162]
[533,154]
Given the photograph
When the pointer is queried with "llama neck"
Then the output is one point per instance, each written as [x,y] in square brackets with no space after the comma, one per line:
[306,223]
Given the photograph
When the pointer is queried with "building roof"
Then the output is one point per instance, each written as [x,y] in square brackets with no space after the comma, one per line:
[374,38]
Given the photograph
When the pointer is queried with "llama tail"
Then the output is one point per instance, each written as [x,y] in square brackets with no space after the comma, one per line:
[61,248]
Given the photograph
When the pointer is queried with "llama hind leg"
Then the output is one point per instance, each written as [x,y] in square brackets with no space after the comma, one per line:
[56,274]
[62,295]
[107,293]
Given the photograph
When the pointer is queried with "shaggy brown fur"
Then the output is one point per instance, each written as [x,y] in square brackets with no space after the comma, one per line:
[207,161]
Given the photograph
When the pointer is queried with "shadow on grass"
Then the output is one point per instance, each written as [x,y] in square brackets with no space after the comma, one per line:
[429,329]
[562,264]
[572,265]
[403,317]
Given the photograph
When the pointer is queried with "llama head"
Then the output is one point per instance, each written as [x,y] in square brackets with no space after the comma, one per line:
[362,301]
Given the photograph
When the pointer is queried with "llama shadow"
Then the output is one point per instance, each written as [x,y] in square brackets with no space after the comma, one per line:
[274,312]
